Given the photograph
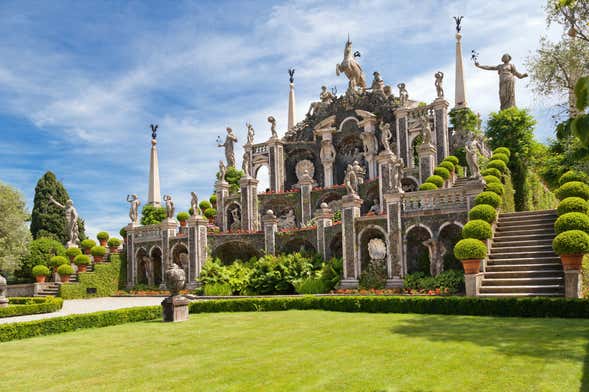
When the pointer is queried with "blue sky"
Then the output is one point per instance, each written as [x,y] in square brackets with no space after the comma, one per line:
[80,82]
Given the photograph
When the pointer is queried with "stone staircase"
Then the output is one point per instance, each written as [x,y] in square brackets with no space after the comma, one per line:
[48,289]
[460,181]
[521,260]
[75,277]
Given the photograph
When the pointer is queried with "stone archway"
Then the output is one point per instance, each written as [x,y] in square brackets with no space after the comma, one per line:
[233,216]
[367,234]
[409,184]
[231,251]
[296,156]
[157,262]
[298,245]
[448,235]
[349,148]
[416,253]
[141,258]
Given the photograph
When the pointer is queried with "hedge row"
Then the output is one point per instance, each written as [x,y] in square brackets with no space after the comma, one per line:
[104,278]
[20,306]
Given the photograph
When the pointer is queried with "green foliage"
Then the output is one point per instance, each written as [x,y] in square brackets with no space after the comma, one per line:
[490,198]
[14,234]
[502,150]
[65,269]
[497,164]
[447,165]
[40,270]
[232,176]
[123,232]
[57,261]
[442,172]
[152,215]
[572,221]
[451,280]
[276,274]
[483,212]
[496,188]
[20,306]
[478,229]
[573,189]
[539,197]
[218,290]
[104,278]
[500,157]
[310,286]
[213,200]
[572,242]
[210,213]
[470,249]
[88,244]
[102,236]
[460,153]
[374,276]
[573,204]
[464,119]
[580,124]
[183,216]
[82,260]
[436,180]
[72,252]
[428,186]
[491,179]
[40,251]
[491,172]
[114,242]
[573,175]
[452,159]
[98,251]
[331,273]
[204,205]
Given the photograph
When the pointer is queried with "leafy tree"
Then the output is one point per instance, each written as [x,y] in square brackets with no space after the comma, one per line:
[48,220]
[40,251]
[152,215]
[14,233]
[464,119]
[232,176]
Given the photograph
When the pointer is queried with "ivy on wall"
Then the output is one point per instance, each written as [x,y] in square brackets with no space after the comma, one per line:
[105,279]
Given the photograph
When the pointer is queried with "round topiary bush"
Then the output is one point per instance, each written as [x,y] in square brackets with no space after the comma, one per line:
[56,261]
[213,199]
[447,165]
[102,236]
[491,172]
[65,269]
[428,186]
[114,242]
[483,212]
[497,164]
[204,205]
[123,232]
[573,189]
[500,157]
[573,175]
[72,252]
[436,180]
[183,216]
[442,172]
[40,270]
[491,179]
[496,188]
[572,242]
[477,229]
[210,213]
[82,260]
[454,160]
[470,249]
[502,150]
[573,204]
[572,221]
[88,243]
[98,251]
[490,198]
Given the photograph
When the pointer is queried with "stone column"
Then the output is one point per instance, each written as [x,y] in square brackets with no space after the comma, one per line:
[276,169]
[472,283]
[440,107]
[197,249]
[306,185]
[131,259]
[350,211]
[369,124]
[249,203]
[573,284]
[395,267]
[168,228]
[386,160]
[154,196]
[326,135]
[270,222]
[459,89]
[403,136]
[291,107]
[324,219]
[222,192]
[427,161]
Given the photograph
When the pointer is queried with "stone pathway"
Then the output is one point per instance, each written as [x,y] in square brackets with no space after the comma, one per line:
[79,306]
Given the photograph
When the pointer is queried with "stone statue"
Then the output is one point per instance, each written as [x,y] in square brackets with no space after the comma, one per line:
[288,220]
[184,260]
[351,68]
[175,279]
[458,20]
[71,219]
[436,256]
[507,73]
[304,169]
[396,175]
[3,287]
[245,165]
[439,89]
[325,99]
[170,209]
[351,181]
[386,135]
[327,153]
[222,171]
[377,83]
[134,209]
[377,249]
[196,211]
[272,121]
[148,270]
[360,172]
[230,140]
[153,131]
[403,94]
[472,148]
[369,142]
[375,208]
[388,91]
[250,134]
[236,225]
[426,132]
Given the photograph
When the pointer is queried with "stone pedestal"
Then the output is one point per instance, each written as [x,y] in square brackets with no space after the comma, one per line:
[427,161]
[270,222]
[249,203]
[350,211]
[197,243]
[472,283]
[440,107]
[222,192]
[175,308]
[472,188]
[573,283]
[324,219]
[276,169]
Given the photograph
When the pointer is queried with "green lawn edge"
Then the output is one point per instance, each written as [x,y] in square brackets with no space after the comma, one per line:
[22,306]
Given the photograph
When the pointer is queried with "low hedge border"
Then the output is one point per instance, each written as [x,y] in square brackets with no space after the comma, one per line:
[21,306]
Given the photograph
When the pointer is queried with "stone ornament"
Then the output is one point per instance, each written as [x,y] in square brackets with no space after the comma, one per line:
[71,219]
[396,174]
[134,208]
[196,211]
[272,122]
[403,94]
[304,167]
[351,68]
[425,131]
[351,181]
[170,209]
[245,166]
[473,147]
[250,134]
[236,215]
[377,249]
[228,145]
[148,269]
[369,143]
[386,135]
[222,171]
[360,172]
[507,73]
[175,279]
[377,83]
[438,83]
[287,220]
[325,99]
[327,153]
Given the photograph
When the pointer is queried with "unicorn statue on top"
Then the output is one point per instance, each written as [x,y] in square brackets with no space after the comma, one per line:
[351,68]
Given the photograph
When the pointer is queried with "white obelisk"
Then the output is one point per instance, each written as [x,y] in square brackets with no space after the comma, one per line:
[154,196]
[459,91]
[291,102]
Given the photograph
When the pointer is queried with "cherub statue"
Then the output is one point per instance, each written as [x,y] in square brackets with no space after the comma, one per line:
[439,89]
[134,209]
[272,121]
[403,94]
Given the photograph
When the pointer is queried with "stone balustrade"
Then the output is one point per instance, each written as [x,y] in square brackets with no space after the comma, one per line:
[451,199]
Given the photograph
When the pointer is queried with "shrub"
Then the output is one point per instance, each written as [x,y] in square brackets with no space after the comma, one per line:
[436,180]
[331,273]
[500,157]
[102,236]
[572,242]
[478,229]
[454,160]
[502,150]
[374,276]
[213,200]
[123,232]
[428,186]
[82,260]
[573,175]
[65,269]
[88,243]
[496,188]
[451,280]
[490,198]
[310,286]
[40,270]
[114,242]
[152,215]
[56,261]
[40,251]
[204,205]
[573,204]
[105,279]
[447,165]
[483,212]
[98,251]
[183,216]
[210,213]
[72,252]
[20,306]
[491,172]
[491,179]
[572,221]
[497,164]
[573,189]
[218,290]
[470,249]
[442,172]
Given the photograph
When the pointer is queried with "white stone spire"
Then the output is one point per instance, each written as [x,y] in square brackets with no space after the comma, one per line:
[459,90]
[291,102]
[154,195]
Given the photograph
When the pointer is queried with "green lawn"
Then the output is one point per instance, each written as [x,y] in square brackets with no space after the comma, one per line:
[307,351]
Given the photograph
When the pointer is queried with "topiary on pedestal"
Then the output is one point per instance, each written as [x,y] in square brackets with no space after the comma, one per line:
[470,252]
[490,198]
[573,189]
[571,246]
[71,253]
[442,172]
[40,273]
[82,261]
[98,253]
[572,221]
[64,271]
[87,245]
[436,180]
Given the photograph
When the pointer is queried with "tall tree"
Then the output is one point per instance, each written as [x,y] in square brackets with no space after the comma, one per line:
[14,234]
[48,220]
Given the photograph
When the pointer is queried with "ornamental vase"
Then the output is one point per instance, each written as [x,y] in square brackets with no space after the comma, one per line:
[571,262]
[471,266]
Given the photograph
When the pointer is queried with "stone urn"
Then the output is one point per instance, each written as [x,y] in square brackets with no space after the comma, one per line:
[571,262]
[175,278]
[471,266]
[175,307]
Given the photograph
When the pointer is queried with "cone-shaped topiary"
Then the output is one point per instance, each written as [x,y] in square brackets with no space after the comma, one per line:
[573,189]
[573,175]
[573,204]
[436,180]
[478,229]
[572,242]
[470,249]
[490,198]
[572,221]
[484,212]
[428,186]
[442,172]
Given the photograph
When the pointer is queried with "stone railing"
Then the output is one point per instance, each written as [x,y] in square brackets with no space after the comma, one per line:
[148,233]
[440,199]
[261,148]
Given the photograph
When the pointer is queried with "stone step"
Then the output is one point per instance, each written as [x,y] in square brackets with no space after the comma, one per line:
[540,273]
[555,294]
[525,260]
[521,255]
[535,281]
[536,266]
[505,247]
[520,214]
[549,230]
[517,244]
[522,221]
[548,288]
[508,237]
[525,226]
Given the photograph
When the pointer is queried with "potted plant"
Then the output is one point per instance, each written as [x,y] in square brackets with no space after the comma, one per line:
[87,245]
[64,271]
[571,246]
[82,261]
[56,261]
[470,252]
[72,252]
[123,233]
[210,214]
[478,229]
[98,253]
[183,218]
[102,237]
[40,272]
[213,200]
[113,244]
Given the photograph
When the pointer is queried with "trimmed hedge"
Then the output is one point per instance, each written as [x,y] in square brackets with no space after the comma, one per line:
[573,189]
[452,159]
[572,242]
[497,164]
[573,204]
[447,165]
[436,180]
[478,229]
[496,188]
[572,221]
[490,179]
[572,175]
[491,172]
[502,150]
[104,278]
[490,198]
[484,212]
[428,186]
[442,172]
[20,306]
[501,157]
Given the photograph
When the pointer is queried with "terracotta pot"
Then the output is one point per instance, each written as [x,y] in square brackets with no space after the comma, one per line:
[102,242]
[82,268]
[183,223]
[64,278]
[87,251]
[113,249]
[571,262]
[98,259]
[40,278]
[471,266]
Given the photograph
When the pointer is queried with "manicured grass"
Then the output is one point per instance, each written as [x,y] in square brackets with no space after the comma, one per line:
[307,351]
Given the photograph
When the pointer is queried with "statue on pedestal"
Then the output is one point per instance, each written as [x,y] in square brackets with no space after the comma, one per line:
[230,140]
[134,209]
[403,94]
[169,207]
[327,153]
[507,73]
[325,99]
[71,219]
[148,270]
[250,134]
[360,172]
[222,171]
[351,181]
[196,211]
[426,132]
[272,121]
[439,90]
[351,68]
[245,166]
[386,135]
[473,147]
[377,83]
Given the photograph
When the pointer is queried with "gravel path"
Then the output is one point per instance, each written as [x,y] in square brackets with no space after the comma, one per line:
[79,306]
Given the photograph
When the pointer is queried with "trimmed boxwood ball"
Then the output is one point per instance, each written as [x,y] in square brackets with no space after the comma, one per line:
[470,249]
[56,261]
[491,179]
[442,172]
[98,251]
[483,212]
[502,150]
[573,189]
[491,172]
[183,216]
[478,229]
[40,270]
[204,205]
[490,198]
[114,241]
[447,165]
[88,243]
[213,199]
[451,158]
[428,186]
[572,221]
[102,236]
[497,164]
[65,269]
[572,242]
[73,252]
[82,260]
[573,204]
[210,213]
[573,175]
[123,232]
[495,187]
[501,157]
[436,180]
